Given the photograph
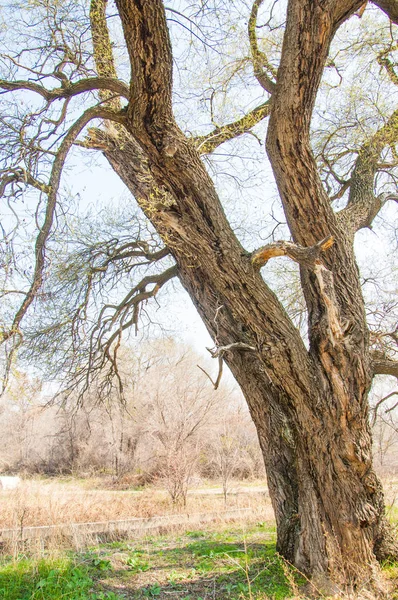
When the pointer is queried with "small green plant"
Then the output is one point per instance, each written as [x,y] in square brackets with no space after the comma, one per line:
[196,534]
[136,564]
[50,579]
[174,576]
[153,591]
[101,564]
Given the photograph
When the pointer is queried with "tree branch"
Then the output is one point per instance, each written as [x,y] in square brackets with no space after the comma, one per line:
[133,300]
[306,204]
[363,206]
[260,61]
[96,112]
[386,63]
[206,144]
[150,110]
[69,89]
[310,258]
[307,257]
[218,352]
[379,403]
[20,175]
[103,53]
[103,349]
[384,366]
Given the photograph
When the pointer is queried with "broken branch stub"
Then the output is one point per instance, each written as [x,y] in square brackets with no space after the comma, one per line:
[307,257]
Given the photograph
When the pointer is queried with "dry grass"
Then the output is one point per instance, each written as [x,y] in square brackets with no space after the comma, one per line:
[55,502]
[187,563]
[61,503]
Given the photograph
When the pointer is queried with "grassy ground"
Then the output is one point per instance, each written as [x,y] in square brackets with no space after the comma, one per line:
[219,563]
[239,562]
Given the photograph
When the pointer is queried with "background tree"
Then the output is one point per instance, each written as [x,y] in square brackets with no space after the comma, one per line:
[179,409]
[308,395]
[385,428]
[227,454]
[166,430]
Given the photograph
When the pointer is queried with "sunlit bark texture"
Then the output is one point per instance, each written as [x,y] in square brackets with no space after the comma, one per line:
[309,401]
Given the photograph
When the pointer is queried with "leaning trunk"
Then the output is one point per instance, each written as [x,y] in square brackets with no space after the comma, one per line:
[264,401]
[309,407]
[313,433]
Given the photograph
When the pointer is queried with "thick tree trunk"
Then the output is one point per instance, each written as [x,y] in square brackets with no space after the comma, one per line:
[328,501]
[266,407]
[343,509]
[309,407]
[314,436]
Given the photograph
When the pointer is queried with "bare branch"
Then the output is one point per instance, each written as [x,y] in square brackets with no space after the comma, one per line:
[106,336]
[379,403]
[215,383]
[69,89]
[96,112]
[134,298]
[305,256]
[21,176]
[363,206]
[218,352]
[260,61]
[206,144]
[103,54]
[309,258]
[384,365]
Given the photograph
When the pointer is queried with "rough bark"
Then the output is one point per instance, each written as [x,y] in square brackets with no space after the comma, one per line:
[310,407]
[225,277]
[344,500]
[202,285]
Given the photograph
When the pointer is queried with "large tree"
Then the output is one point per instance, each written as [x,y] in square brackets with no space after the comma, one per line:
[307,394]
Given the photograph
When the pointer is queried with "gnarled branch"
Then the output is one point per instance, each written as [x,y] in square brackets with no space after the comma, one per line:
[307,257]
[206,144]
[20,175]
[114,86]
[260,61]
[103,348]
[363,205]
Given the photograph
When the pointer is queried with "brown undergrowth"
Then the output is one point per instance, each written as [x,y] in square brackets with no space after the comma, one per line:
[43,502]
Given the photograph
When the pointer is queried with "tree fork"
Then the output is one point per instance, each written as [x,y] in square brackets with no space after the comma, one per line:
[310,405]
[323,393]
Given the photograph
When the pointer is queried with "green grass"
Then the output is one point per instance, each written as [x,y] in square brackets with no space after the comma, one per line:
[392,513]
[51,578]
[228,564]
